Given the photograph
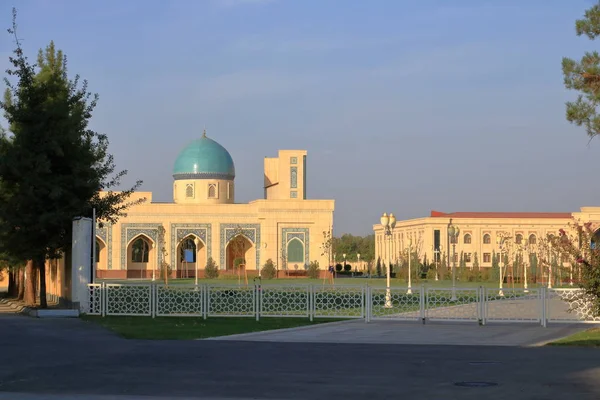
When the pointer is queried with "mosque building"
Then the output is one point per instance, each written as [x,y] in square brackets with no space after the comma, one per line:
[203,219]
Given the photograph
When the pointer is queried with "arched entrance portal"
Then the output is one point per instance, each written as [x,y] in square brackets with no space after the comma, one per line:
[190,258]
[240,247]
[595,240]
[140,258]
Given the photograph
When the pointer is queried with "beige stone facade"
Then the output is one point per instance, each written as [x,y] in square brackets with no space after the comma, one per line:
[478,233]
[201,222]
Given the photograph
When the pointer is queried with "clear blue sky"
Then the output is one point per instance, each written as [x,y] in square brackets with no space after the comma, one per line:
[403,105]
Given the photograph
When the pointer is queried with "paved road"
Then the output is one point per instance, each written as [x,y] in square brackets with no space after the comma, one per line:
[402,332]
[71,359]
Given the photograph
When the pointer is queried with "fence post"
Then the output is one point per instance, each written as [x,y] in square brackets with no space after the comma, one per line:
[422,303]
[257,301]
[153,299]
[544,306]
[482,304]
[309,301]
[205,300]
[368,303]
[103,296]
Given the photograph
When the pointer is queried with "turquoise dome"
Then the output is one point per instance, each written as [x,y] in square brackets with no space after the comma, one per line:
[204,159]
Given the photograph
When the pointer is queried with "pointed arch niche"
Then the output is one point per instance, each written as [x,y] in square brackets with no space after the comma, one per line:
[295,237]
[190,258]
[101,256]
[140,257]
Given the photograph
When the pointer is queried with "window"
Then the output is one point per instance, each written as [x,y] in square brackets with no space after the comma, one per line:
[532,239]
[293,160]
[487,239]
[293,194]
[212,191]
[467,238]
[295,251]
[294,177]
[519,238]
[487,258]
[189,190]
[468,257]
[139,251]
[228,190]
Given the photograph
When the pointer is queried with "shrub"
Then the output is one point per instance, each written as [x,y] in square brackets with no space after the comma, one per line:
[238,261]
[268,270]
[338,267]
[211,271]
[313,270]
[347,267]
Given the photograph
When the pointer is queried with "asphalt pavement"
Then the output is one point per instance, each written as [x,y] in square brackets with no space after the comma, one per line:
[72,359]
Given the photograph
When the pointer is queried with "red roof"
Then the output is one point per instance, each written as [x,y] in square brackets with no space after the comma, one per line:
[501,215]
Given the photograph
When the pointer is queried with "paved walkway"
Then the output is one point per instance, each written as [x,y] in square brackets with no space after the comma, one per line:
[400,332]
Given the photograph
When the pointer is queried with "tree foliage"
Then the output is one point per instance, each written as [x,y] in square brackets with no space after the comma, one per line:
[584,77]
[581,244]
[353,245]
[52,165]
[211,271]
[268,270]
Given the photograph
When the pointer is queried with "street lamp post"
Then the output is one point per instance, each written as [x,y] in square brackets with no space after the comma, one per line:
[453,232]
[388,223]
[526,246]
[409,291]
[344,255]
[196,243]
[436,253]
[500,240]
[358,262]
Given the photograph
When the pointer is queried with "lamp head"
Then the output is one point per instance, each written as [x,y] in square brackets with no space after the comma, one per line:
[392,220]
[358,255]
[385,220]
[457,231]
[451,230]
[344,255]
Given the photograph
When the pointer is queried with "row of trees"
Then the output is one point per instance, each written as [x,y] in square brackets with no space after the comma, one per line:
[52,166]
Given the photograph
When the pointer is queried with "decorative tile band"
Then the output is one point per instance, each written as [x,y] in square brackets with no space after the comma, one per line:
[204,175]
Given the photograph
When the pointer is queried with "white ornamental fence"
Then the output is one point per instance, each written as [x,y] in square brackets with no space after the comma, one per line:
[479,305]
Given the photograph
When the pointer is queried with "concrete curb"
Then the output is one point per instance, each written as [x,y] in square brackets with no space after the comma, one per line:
[34,313]
[299,328]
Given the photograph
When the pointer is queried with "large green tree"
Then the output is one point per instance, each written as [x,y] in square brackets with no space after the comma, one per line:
[584,77]
[52,166]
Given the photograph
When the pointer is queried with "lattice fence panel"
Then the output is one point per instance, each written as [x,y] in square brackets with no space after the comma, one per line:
[128,299]
[569,305]
[513,305]
[93,306]
[453,305]
[397,305]
[285,301]
[179,300]
[339,301]
[231,301]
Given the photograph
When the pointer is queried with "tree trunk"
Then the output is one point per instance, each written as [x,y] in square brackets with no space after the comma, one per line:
[21,284]
[12,283]
[30,284]
[41,267]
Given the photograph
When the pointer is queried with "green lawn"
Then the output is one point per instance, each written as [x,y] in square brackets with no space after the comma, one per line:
[188,328]
[588,338]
